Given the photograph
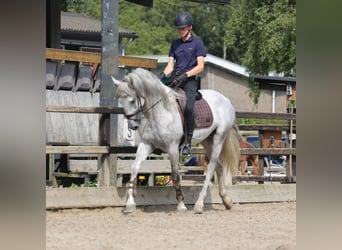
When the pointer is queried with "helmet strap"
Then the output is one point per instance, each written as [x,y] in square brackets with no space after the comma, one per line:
[187,34]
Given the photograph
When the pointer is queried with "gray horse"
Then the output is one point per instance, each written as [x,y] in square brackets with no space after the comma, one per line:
[152,108]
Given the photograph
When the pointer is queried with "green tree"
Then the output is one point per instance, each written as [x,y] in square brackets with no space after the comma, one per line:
[210,20]
[154,25]
[150,24]
[261,35]
[89,7]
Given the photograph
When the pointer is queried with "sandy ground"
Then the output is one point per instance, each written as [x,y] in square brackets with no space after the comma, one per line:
[246,226]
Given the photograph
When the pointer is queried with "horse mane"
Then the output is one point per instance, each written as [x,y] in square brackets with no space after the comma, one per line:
[148,86]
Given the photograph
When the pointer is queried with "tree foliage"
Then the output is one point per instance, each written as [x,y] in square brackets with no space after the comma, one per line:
[154,25]
[261,35]
[89,7]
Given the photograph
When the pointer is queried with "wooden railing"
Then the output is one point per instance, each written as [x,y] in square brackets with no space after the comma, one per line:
[95,58]
[261,152]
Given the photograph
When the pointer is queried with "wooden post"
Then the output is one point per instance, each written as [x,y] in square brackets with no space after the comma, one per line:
[51,167]
[109,66]
[261,159]
[289,173]
[53,24]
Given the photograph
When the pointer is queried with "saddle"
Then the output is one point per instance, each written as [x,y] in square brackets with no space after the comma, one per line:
[202,112]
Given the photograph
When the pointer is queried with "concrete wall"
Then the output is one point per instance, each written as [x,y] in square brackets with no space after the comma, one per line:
[235,87]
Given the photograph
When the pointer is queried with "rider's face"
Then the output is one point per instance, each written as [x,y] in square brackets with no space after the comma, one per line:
[183,32]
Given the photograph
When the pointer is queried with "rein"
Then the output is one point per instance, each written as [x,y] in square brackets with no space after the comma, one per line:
[140,109]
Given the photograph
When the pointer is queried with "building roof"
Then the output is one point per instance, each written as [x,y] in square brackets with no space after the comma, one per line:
[78,22]
[274,82]
[226,65]
[266,82]
[217,61]
[273,79]
[211,1]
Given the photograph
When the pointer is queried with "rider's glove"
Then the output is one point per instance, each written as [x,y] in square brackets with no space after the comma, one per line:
[161,75]
[179,80]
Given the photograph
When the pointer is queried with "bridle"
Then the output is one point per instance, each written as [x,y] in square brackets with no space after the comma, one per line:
[141,110]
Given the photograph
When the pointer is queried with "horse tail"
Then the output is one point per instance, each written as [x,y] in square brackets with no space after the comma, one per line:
[230,154]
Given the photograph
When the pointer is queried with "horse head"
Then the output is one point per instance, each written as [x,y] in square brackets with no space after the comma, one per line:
[129,100]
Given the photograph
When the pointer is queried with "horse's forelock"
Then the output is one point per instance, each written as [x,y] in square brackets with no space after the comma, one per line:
[135,82]
[146,83]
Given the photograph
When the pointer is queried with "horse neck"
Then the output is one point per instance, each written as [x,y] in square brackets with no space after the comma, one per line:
[160,101]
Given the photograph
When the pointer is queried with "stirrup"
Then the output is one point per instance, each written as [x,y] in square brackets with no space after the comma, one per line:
[186,150]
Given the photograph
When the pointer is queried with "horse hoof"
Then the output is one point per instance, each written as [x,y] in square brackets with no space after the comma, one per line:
[181,209]
[198,209]
[129,209]
[228,203]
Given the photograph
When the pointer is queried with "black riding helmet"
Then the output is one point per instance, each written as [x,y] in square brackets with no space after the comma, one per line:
[182,20]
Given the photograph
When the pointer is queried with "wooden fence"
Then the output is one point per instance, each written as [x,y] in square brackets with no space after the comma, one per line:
[94,59]
[261,152]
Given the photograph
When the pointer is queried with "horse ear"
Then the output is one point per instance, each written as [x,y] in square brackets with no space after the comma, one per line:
[116,82]
[129,81]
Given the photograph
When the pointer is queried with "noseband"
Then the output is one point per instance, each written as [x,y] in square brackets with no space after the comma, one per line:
[140,109]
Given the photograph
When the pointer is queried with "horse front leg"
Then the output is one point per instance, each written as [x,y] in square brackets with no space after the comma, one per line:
[175,175]
[142,152]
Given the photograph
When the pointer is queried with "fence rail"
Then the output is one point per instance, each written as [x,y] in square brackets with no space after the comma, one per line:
[261,152]
[95,58]
[118,110]
[128,149]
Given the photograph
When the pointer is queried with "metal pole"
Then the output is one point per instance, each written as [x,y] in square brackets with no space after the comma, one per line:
[109,66]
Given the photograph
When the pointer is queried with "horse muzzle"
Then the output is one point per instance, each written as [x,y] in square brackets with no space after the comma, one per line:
[133,124]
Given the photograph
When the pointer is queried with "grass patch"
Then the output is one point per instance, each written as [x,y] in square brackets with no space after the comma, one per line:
[253,121]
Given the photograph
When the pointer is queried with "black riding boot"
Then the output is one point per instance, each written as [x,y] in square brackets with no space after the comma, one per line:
[187,148]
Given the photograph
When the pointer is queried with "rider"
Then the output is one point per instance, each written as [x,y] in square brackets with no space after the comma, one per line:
[186,60]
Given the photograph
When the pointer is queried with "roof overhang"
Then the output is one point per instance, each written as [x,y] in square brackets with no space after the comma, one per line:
[274,82]
[210,1]
[146,3]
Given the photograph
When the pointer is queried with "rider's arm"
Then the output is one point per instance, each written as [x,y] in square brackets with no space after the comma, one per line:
[169,67]
[198,68]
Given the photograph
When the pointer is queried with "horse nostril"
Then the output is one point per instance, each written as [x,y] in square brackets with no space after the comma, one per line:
[133,127]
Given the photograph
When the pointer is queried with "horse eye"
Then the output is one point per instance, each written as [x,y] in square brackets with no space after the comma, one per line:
[131,100]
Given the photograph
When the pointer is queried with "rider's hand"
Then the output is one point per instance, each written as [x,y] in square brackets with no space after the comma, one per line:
[179,80]
[161,75]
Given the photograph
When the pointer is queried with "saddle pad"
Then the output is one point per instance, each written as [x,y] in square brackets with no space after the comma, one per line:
[203,115]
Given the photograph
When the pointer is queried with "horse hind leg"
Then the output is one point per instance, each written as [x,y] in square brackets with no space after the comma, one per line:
[199,205]
[227,201]
[255,164]
[243,164]
[214,156]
